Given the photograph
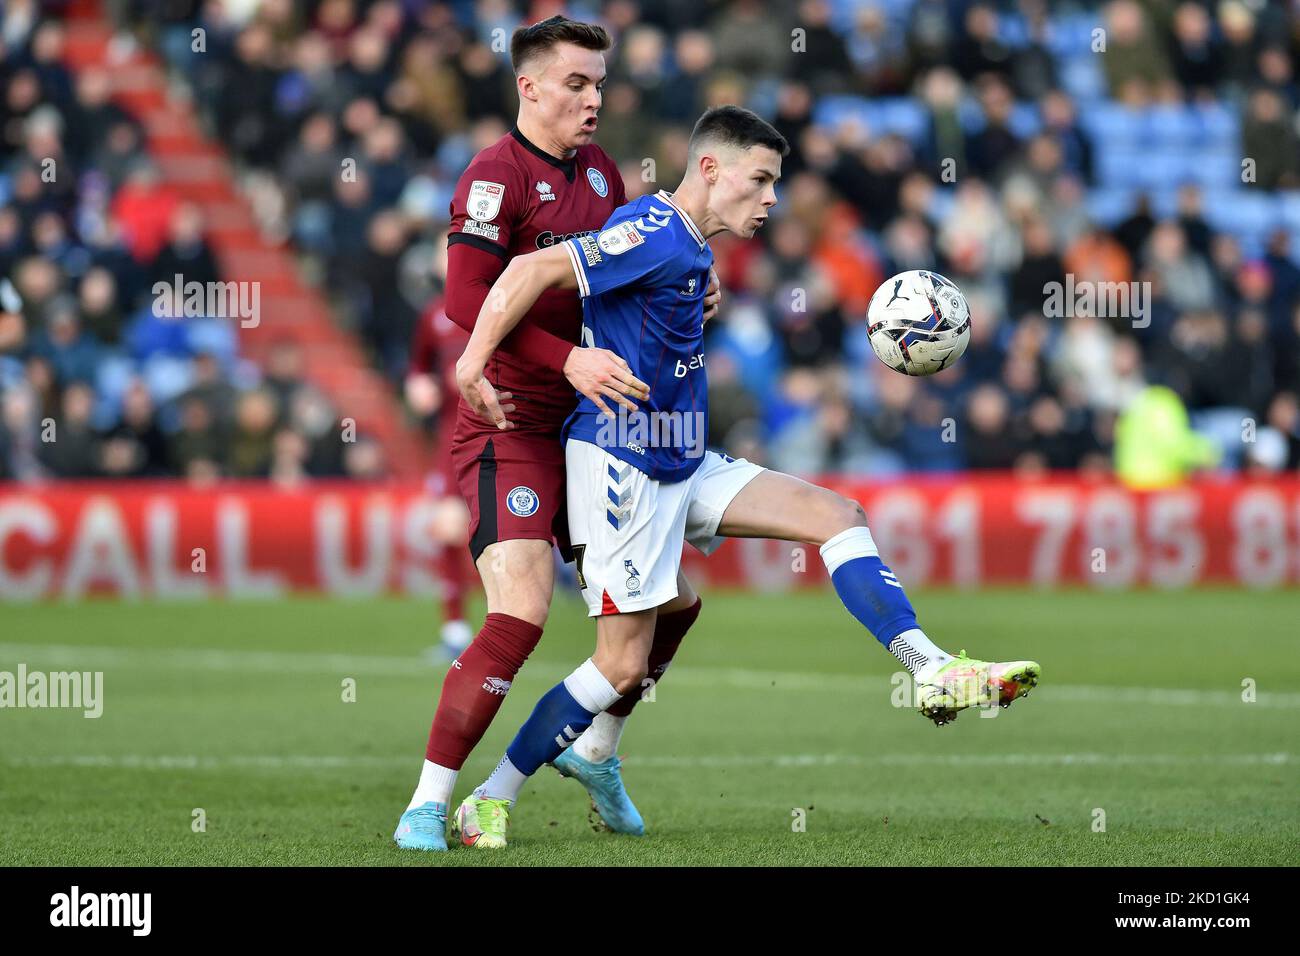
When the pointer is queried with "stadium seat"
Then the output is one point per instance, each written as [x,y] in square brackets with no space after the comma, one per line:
[1109,205]
[1081,77]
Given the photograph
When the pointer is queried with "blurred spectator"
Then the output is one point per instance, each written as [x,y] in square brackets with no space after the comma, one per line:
[1137,68]
[74,451]
[135,447]
[251,443]
[991,141]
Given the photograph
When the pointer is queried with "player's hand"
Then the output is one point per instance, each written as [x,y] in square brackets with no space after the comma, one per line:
[482,396]
[600,374]
[712,295]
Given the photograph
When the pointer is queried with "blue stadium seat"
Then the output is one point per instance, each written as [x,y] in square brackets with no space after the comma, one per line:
[1110,124]
[1173,126]
[1243,212]
[1164,202]
[1013,30]
[1119,166]
[941,202]
[1220,125]
[1289,209]
[833,110]
[904,116]
[1082,78]
[1072,34]
[1109,205]
[1213,168]
[1025,120]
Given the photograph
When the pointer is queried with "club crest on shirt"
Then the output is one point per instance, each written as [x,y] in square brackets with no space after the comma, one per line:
[619,239]
[522,501]
[484,200]
[598,183]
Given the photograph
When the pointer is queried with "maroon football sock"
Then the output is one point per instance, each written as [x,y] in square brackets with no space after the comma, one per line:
[669,631]
[476,685]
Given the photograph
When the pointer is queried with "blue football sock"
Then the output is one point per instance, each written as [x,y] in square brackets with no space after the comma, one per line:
[559,718]
[874,596]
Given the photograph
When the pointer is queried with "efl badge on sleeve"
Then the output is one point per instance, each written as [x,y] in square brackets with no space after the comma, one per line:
[484,200]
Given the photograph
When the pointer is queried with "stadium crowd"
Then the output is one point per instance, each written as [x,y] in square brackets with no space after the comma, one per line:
[978,139]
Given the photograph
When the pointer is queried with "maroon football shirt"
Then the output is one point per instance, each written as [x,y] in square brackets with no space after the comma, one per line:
[516,198]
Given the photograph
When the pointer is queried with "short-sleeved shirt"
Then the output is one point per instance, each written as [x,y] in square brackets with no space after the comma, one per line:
[516,198]
[642,280]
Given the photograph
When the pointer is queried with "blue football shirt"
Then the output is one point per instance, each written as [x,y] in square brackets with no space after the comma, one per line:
[642,280]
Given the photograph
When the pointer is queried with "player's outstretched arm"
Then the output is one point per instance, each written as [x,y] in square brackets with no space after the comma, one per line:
[515,292]
[470,274]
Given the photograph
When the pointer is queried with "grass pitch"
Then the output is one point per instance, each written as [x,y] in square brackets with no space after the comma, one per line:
[778,709]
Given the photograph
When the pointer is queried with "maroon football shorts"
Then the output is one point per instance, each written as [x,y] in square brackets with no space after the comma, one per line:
[513,483]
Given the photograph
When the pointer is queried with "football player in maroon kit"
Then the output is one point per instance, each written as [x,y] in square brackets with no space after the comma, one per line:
[431,389]
[541,183]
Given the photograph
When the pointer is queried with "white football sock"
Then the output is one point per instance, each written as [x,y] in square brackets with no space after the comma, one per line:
[600,741]
[918,653]
[590,688]
[435,786]
[504,783]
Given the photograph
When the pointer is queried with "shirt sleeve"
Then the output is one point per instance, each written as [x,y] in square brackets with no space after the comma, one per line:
[485,207]
[620,255]
[470,275]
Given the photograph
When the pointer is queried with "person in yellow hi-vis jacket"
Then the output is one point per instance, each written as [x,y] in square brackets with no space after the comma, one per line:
[1155,446]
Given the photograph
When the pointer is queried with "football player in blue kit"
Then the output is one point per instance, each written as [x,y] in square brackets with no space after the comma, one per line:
[641,483]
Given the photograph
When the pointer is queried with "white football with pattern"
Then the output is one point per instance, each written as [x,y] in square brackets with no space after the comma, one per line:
[918,323]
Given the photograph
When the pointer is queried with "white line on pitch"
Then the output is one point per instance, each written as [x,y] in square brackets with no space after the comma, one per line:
[329,762]
[83,657]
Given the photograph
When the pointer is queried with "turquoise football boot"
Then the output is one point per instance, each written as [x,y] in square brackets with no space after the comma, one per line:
[423,828]
[604,783]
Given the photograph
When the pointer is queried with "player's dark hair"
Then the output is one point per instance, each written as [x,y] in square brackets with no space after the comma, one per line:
[528,42]
[736,126]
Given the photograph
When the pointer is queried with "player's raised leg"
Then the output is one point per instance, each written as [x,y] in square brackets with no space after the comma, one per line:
[776,505]
[616,668]
[593,761]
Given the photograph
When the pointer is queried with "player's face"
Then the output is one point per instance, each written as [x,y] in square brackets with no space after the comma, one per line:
[569,92]
[746,188]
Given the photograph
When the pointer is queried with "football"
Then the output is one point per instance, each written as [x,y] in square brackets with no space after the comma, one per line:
[918,323]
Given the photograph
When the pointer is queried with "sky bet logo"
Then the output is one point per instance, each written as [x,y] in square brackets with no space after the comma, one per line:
[103,909]
[684,367]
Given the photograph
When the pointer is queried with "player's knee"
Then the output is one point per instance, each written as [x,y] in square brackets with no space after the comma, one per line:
[531,608]
[835,513]
[628,673]
[531,604]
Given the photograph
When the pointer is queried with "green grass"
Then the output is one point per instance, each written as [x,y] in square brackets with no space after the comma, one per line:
[775,703]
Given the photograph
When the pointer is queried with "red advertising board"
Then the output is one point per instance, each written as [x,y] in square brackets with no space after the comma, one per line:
[172,540]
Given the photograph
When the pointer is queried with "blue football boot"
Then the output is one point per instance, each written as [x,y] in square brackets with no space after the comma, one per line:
[604,782]
[423,828]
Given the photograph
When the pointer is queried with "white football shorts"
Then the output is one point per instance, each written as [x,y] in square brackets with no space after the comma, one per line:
[627,529]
